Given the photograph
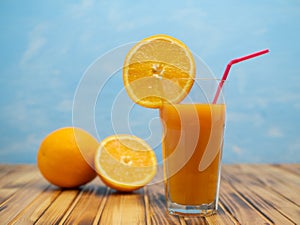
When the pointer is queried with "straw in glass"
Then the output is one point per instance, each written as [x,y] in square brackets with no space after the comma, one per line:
[226,72]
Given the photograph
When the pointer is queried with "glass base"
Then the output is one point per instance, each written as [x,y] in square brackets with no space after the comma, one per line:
[192,210]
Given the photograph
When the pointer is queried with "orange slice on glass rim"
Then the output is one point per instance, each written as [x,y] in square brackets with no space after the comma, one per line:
[125,162]
[154,68]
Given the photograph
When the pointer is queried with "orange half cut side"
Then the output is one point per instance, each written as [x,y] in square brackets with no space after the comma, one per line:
[158,68]
[125,162]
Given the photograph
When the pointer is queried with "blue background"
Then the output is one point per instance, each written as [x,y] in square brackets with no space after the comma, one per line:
[46,47]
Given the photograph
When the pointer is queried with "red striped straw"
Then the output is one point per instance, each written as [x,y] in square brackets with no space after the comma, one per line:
[237,60]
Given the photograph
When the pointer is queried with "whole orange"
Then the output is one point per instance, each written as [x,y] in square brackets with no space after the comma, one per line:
[66,157]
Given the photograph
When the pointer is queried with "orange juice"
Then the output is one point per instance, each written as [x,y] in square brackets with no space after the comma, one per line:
[192,149]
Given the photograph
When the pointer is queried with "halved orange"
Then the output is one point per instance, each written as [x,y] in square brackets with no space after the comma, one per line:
[125,162]
[154,68]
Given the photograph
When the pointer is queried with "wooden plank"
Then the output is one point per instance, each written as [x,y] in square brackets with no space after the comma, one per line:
[55,212]
[266,201]
[20,199]
[124,208]
[222,217]
[98,182]
[270,203]
[86,209]
[284,183]
[6,193]
[14,167]
[250,194]
[36,208]
[4,169]
[157,206]
[295,168]
[191,220]
[240,209]
[17,176]
[290,178]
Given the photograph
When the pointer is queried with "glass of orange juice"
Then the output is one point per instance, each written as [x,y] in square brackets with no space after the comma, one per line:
[192,149]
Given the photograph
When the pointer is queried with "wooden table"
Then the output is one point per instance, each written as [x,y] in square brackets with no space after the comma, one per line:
[250,194]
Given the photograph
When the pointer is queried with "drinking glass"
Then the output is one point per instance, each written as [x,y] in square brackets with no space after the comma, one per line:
[192,144]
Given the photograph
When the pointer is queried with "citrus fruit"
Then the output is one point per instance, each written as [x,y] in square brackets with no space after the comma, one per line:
[153,69]
[66,156]
[125,162]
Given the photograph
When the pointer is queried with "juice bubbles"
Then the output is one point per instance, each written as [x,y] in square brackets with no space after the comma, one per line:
[192,149]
